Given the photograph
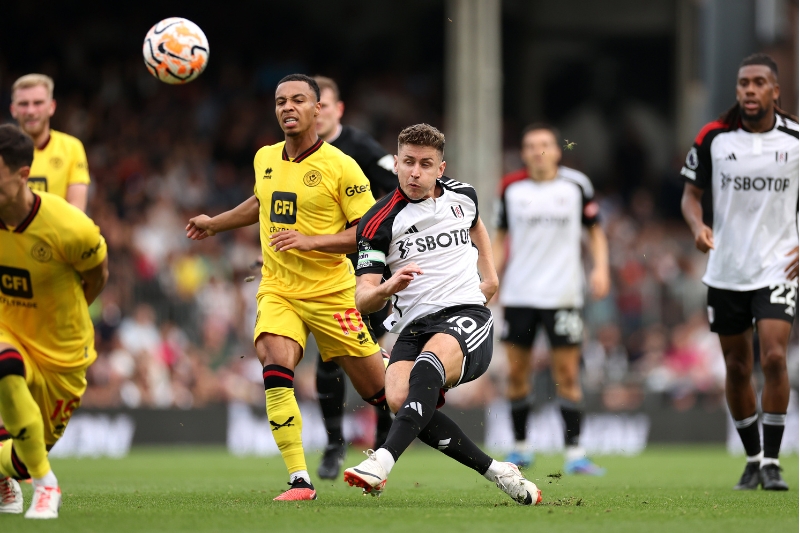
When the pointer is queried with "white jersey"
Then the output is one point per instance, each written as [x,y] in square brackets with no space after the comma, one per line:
[752,178]
[544,220]
[434,234]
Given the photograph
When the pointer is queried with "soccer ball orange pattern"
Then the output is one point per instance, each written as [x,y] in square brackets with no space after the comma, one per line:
[175,50]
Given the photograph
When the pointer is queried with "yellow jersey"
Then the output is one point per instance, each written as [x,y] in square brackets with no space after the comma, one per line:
[41,296]
[320,192]
[61,163]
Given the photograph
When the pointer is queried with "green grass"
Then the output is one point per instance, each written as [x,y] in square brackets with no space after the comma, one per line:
[675,489]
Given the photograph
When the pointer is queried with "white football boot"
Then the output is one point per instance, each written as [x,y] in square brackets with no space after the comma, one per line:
[10,496]
[45,504]
[369,475]
[521,490]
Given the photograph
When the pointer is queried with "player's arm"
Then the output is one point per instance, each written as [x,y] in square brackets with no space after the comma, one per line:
[501,233]
[486,262]
[353,205]
[692,210]
[343,242]
[600,277]
[244,214]
[499,249]
[794,266]
[78,179]
[94,280]
[372,295]
[77,195]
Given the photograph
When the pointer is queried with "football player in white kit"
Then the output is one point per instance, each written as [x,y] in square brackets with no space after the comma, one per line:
[425,247]
[747,161]
[541,214]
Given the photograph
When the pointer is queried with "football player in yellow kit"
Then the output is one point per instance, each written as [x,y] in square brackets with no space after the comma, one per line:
[309,197]
[59,160]
[52,266]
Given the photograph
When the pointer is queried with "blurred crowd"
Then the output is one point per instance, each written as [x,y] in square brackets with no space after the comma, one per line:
[174,325]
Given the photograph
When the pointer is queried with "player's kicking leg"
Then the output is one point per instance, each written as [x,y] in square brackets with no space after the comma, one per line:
[24,455]
[413,389]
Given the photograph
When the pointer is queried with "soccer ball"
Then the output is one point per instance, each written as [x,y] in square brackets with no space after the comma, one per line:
[175,51]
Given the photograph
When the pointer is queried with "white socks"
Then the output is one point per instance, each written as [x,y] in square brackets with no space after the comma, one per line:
[385,459]
[495,469]
[300,474]
[756,458]
[49,480]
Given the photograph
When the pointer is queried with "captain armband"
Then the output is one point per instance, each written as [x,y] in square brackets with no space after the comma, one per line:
[371,258]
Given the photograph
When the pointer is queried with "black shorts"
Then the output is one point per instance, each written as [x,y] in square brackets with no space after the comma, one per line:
[564,327]
[733,312]
[471,325]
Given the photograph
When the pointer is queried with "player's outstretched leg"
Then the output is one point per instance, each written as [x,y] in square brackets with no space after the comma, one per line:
[417,417]
[24,455]
[447,437]
[331,393]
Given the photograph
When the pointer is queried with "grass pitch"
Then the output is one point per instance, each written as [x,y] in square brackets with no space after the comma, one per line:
[201,489]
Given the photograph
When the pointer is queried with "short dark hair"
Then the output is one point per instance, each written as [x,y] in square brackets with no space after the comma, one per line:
[327,83]
[16,148]
[422,135]
[760,59]
[302,77]
[541,126]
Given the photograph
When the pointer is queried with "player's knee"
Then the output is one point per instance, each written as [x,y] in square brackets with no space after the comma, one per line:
[11,363]
[737,368]
[773,360]
[517,380]
[395,399]
[567,380]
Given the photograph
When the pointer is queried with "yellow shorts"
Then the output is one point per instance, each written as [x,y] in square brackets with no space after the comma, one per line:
[333,319]
[57,394]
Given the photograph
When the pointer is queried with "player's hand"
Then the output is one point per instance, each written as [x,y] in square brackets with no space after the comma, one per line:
[291,240]
[792,269]
[198,228]
[599,283]
[402,278]
[704,239]
[489,289]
